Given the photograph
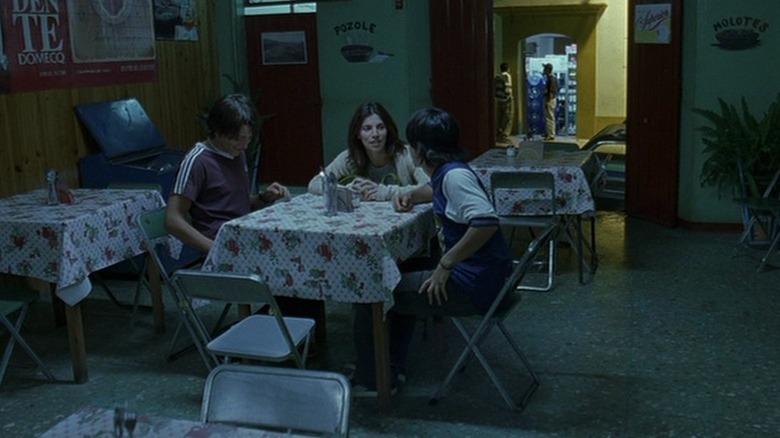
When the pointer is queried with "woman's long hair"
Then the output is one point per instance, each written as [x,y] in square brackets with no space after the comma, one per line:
[357,152]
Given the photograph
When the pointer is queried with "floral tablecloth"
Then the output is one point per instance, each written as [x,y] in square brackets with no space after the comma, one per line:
[301,252]
[572,170]
[62,244]
[99,422]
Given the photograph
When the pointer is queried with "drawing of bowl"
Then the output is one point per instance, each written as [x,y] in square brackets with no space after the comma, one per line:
[357,52]
[737,38]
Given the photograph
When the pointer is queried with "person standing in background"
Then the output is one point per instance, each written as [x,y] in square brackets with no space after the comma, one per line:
[550,100]
[503,95]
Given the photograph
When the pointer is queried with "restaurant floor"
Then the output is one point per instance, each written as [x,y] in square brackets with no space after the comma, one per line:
[673,337]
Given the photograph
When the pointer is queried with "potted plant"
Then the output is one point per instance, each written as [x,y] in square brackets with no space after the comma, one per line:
[735,138]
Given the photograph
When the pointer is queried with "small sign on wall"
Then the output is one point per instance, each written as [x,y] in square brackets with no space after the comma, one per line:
[653,24]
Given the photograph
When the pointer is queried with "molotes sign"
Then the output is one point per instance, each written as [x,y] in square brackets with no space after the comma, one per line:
[739,32]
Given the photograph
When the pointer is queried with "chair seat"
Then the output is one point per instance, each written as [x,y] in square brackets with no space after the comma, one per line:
[243,338]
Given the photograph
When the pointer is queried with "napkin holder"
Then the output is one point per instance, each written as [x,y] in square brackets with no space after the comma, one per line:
[337,198]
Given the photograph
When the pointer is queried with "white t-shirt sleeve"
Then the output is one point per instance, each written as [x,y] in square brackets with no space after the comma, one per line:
[466,200]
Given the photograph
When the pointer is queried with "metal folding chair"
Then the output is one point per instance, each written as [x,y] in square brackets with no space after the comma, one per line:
[761,215]
[157,239]
[536,211]
[16,301]
[287,399]
[494,318]
[271,338]
[136,263]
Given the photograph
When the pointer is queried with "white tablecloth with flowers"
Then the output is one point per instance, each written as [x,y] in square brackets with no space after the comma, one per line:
[573,172]
[62,244]
[301,252]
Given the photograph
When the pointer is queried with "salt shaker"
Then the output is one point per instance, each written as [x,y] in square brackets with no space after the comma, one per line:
[51,187]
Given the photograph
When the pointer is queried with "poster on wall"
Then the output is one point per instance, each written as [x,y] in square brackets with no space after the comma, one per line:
[175,20]
[75,43]
[653,24]
[284,48]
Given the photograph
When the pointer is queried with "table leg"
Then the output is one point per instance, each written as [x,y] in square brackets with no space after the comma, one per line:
[155,285]
[381,354]
[78,351]
[58,306]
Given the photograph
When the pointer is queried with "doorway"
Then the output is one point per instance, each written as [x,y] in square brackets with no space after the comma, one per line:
[289,94]
[560,51]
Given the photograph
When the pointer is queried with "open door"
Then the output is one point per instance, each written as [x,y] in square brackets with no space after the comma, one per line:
[462,66]
[653,113]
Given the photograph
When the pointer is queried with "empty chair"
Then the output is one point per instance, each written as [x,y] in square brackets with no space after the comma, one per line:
[289,399]
[760,215]
[527,199]
[272,337]
[494,318]
[16,301]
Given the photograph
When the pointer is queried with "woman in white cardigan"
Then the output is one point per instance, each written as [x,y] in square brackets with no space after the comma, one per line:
[377,164]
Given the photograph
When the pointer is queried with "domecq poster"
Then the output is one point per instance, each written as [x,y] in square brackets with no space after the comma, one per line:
[49,44]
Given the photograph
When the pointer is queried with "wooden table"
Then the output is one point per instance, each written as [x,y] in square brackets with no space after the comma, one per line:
[62,244]
[350,257]
[99,422]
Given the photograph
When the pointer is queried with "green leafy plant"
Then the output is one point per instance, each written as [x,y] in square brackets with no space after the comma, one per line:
[735,135]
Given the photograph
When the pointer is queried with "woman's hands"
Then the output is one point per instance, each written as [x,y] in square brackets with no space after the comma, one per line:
[367,188]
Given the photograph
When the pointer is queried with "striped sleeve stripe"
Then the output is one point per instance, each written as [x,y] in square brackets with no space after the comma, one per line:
[185,169]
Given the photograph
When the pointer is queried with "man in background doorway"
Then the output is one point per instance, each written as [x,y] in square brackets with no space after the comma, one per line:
[503,96]
[550,100]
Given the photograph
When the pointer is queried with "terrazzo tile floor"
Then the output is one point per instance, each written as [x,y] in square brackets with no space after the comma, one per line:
[673,337]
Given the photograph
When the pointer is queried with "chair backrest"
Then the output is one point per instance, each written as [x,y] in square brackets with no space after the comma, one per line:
[152,226]
[275,397]
[536,189]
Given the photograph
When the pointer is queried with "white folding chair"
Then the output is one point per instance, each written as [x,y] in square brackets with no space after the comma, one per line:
[287,399]
[495,317]
[16,301]
[271,338]
[537,210]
